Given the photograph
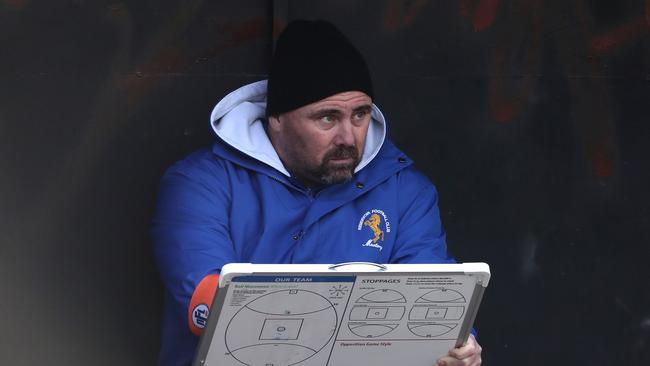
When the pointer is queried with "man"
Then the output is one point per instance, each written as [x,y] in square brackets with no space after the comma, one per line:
[301,173]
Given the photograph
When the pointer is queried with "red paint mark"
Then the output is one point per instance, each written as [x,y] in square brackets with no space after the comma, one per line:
[607,42]
[135,86]
[138,84]
[485,13]
[503,107]
[601,160]
[247,31]
[174,59]
[482,12]
[505,111]
[240,33]
[593,61]
[243,32]
[169,59]
[118,10]
[278,26]
[148,76]
[15,4]
[401,14]
[467,7]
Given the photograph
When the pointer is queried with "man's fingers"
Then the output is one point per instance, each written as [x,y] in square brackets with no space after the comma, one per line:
[450,361]
[469,349]
[465,351]
[467,355]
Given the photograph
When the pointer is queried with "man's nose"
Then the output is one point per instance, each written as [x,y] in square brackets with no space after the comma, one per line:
[344,135]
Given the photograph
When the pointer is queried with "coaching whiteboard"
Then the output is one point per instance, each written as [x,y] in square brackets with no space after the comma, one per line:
[317,315]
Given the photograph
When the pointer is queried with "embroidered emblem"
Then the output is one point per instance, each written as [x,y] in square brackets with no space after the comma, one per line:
[373,220]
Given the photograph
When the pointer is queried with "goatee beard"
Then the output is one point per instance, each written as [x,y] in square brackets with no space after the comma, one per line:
[339,173]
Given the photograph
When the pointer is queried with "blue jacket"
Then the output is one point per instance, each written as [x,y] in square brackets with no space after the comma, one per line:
[235,202]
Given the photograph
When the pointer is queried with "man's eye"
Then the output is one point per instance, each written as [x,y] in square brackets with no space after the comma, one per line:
[327,119]
[360,115]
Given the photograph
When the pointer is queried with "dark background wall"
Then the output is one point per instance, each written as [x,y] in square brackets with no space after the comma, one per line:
[531,117]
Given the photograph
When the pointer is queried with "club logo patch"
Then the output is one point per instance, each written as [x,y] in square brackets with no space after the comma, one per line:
[200,315]
[376,223]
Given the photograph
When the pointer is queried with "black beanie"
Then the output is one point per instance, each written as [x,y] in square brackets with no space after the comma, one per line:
[313,60]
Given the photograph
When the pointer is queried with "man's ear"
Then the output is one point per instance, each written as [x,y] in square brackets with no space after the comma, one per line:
[274,123]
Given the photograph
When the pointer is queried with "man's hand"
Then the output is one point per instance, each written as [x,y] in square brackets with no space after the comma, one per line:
[467,355]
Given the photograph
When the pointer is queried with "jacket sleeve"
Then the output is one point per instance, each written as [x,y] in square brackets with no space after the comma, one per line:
[420,236]
[190,229]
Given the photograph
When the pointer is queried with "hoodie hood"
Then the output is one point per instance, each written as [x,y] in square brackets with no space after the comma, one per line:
[238,119]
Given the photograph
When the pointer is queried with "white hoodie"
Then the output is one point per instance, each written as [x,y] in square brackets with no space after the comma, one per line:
[238,119]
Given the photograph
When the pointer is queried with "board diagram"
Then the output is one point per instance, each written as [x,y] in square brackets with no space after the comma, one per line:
[442,295]
[382,296]
[293,325]
[378,313]
[370,330]
[428,330]
[436,319]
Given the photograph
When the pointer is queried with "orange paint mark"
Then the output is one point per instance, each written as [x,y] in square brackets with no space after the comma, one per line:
[402,14]
[485,13]
[609,41]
